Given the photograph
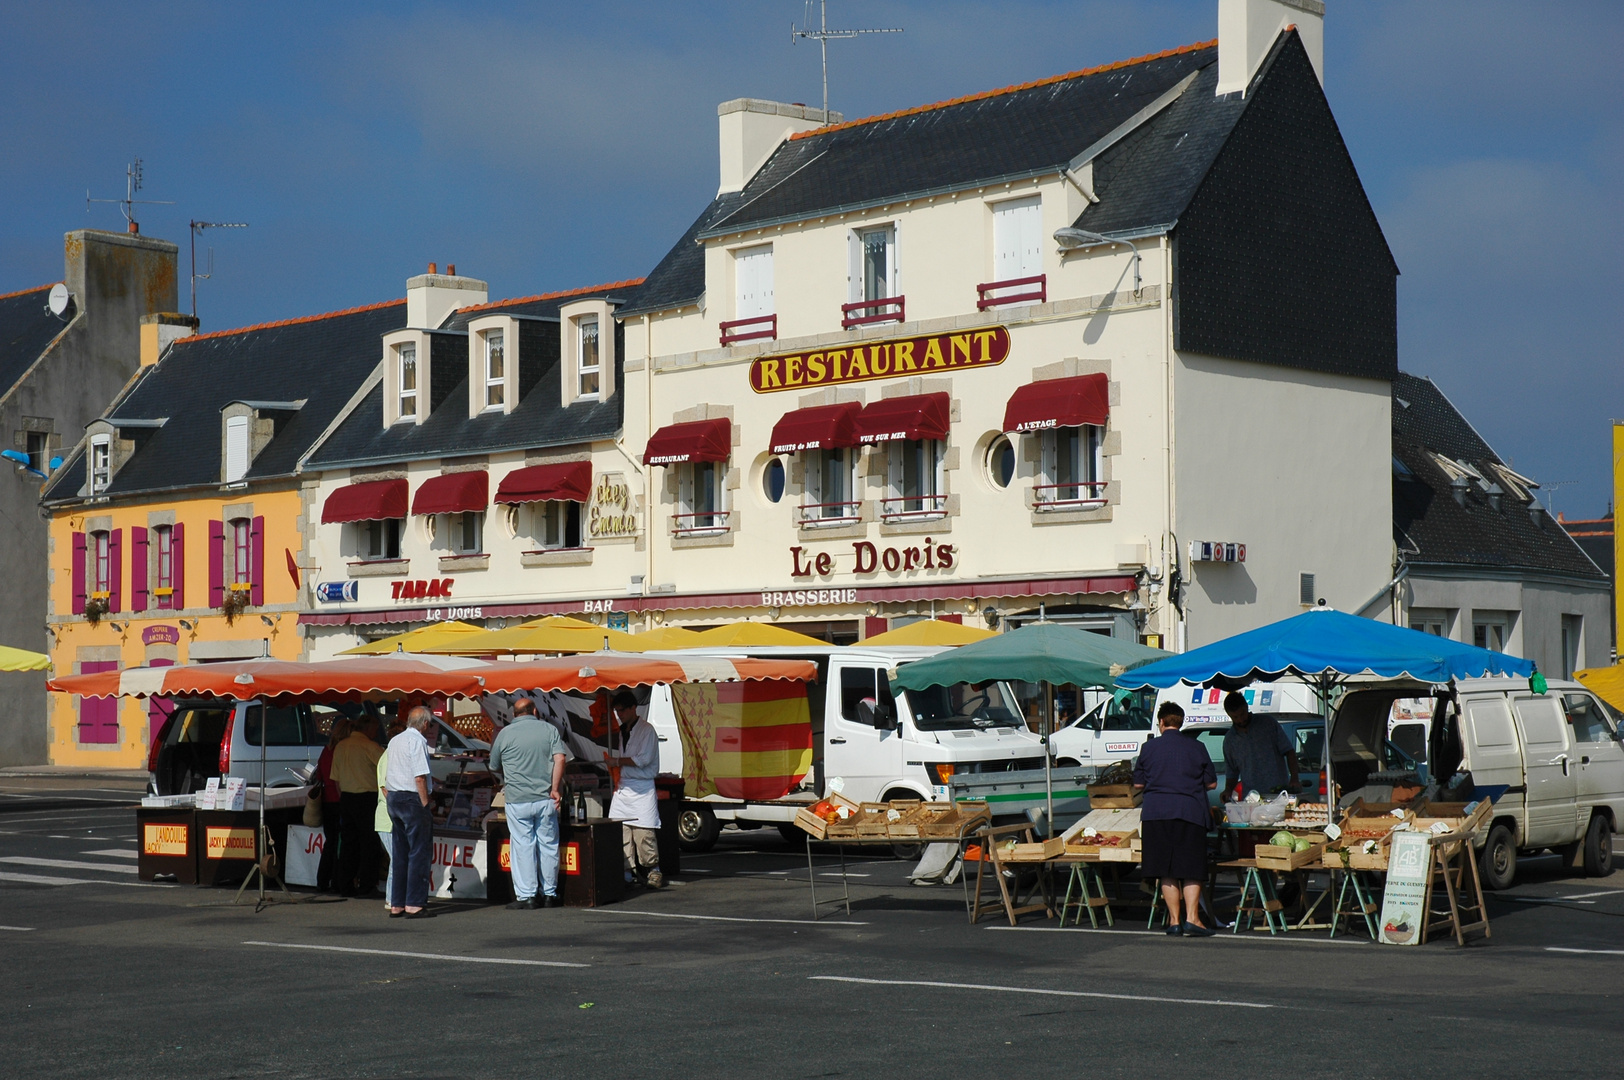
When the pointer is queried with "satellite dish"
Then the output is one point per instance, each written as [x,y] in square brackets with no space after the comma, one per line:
[59,299]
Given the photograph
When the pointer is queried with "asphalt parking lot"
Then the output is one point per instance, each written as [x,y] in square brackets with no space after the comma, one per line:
[724,974]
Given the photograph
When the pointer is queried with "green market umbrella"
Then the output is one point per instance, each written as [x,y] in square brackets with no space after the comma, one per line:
[1046,653]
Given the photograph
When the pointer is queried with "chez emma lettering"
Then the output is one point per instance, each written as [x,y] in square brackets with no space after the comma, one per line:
[880,360]
[610,513]
[868,558]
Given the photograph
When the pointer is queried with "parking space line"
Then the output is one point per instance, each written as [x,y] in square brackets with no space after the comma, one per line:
[1222,935]
[67,864]
[1589,952]
[1588,895]
[1044,992]
[420,955]
[114,853]
[19,929]
[722,918]
[44,879]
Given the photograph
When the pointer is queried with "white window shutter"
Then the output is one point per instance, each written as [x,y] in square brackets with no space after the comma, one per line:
[685,488]
[236,448]
[1017,229]
[1049,463]
[854,266]
[893,279]
[893,453]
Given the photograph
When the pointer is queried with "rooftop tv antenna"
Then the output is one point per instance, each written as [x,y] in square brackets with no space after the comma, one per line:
[823,35]
[132,184]
[197,227]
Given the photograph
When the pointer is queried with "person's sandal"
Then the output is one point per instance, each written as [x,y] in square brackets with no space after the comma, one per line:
[1176,930]
[425,913]
[1199,931]
[397,914]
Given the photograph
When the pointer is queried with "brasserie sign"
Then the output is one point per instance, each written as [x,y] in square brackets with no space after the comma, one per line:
[864,361]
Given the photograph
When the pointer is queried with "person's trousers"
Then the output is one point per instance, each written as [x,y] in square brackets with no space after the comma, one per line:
[329,846]
[533,843]
[641,847]
[357,850]
[413,846]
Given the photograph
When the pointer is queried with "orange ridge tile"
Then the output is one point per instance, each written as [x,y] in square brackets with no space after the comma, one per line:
[23,292]
[1052,79]
[626,284]
[292,322]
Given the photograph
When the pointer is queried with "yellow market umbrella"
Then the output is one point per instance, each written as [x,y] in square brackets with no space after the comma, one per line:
[751,633]
[566,621]
[930,632]
[441,633]
[1608,682]
[541,636]
[22,660]
[670,637]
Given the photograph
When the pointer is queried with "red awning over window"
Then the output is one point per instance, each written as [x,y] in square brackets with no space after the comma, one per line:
[925,416]
[822,427]
[375,500]
[1051,403]
[700,440]
[453,493]
[569,481]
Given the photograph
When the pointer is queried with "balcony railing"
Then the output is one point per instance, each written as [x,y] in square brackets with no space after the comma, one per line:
[863,312]
[752,329]
[707,523]
[1034,290]
[1074,496]
[913,507]
[834,513]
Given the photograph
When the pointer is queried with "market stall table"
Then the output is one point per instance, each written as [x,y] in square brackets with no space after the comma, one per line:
[839,822]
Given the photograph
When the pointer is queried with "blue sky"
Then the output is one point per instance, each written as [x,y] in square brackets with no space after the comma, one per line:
[544,146]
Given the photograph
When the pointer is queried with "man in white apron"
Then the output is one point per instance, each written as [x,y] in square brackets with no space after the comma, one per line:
[637,754]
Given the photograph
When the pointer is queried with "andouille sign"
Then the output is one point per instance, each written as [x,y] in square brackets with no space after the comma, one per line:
[868,360]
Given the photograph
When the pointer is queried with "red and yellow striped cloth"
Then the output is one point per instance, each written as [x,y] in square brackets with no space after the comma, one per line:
[743,740]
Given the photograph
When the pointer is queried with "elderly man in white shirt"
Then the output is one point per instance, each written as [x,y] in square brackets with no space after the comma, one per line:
[407,782]
[635,803]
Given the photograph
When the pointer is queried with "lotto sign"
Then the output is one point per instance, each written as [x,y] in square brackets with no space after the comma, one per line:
[165,840]
[223,843]
[572,858]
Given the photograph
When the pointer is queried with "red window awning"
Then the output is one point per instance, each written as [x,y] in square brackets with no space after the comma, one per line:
[822,427]
[699,440]
[375,500]
[1051,403]
[569,481]
[453,493]
[924,416]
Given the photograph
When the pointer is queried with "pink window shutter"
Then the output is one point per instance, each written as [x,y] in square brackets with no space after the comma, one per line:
[138,568]
[115,570]
[256,562]
[98,717]
[177,573]
[78,573]
[217,563]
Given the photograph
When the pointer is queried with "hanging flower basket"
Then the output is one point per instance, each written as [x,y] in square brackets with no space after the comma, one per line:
[95,608]
[234,603]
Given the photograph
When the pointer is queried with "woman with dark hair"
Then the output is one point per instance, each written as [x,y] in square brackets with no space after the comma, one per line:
[1175,773]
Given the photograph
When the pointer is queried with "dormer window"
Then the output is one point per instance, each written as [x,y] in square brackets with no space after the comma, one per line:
[495,369]
[406,379]
[101,463]
[590,363]
[236,448]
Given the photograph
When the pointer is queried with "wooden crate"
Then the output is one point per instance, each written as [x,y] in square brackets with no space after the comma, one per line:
[875,819]
[1357,860]
[1104,820]
[1039,852]
[1276,857]
[819,829]
[1114,796]
[939,821]
[1453,815]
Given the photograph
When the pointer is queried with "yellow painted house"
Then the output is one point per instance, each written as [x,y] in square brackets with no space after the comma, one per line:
[179,522]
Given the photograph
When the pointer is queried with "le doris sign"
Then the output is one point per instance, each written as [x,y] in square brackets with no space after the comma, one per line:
[887,359]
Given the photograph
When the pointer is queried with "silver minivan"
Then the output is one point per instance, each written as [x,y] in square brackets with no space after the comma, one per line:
[1552,763]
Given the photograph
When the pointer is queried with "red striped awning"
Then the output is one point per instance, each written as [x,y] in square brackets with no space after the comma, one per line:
[453,493]
[374,500]
[698,440]
[568,481]
[923,416]
[1051,403]
[822,427]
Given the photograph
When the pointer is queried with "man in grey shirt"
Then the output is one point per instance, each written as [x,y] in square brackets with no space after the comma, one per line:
[1258,755]
[528,758]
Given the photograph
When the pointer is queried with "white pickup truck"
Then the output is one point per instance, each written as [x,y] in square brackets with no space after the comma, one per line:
[880,745]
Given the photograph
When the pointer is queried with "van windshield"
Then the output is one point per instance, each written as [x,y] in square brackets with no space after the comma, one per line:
[963,705]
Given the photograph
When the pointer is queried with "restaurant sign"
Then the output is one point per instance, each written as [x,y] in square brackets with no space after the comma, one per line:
[868,360]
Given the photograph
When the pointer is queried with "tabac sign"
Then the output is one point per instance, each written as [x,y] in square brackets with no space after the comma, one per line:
[868,360]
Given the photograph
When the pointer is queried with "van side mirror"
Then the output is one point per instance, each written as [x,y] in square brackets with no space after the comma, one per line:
[876,714]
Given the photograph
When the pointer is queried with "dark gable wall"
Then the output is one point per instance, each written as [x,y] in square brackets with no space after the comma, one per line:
[1279,257]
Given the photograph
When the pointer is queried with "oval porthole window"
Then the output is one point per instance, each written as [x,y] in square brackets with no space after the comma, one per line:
[1001,462]
[772,480]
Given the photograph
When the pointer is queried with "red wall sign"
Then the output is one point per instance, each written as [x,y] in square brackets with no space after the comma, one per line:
[868,558]
[419,590]
[160,635]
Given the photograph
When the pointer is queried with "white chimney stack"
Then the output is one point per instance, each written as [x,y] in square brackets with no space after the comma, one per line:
[751,130]
[432,296]
[1247,30]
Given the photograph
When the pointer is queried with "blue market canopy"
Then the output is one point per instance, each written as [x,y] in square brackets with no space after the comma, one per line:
[1041,652]
[1323,643]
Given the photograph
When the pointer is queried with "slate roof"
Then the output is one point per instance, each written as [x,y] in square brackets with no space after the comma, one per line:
[26,328]
[1596,539]
[1432,529]
[322,359]
[1019,131]
[539,419]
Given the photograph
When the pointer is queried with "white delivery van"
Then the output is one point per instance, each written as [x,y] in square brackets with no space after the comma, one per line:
[1287,698]
[1113,730]
[896,746]
[1552,764]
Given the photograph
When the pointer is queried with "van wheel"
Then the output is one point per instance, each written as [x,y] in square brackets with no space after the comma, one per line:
[697,829]
[1068,763]
[1599,847]
[1497,864]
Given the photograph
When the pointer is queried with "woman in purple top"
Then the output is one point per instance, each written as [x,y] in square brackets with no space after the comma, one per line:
[1175,773]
